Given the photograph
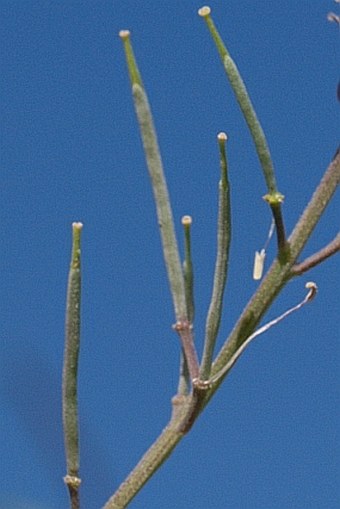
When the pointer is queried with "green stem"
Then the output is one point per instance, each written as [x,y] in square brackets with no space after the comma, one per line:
[149,463]
[70,369]
[274,197]
[221,266]
[314,210]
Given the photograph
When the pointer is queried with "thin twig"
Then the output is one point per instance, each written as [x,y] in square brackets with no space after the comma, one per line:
[70,370]
[184,328]
[313,260]
[310,296]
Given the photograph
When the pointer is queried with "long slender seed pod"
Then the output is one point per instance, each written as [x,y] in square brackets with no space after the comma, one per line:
[221,265]
[158,182]
[70,370]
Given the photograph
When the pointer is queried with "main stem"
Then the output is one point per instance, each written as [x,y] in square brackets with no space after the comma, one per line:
[153,458]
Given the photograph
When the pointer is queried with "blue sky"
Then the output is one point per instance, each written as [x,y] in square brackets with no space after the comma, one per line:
[70,151]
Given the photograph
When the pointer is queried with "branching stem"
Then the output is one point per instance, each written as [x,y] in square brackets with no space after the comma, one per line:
[186,408]
[332,248]
[189,407]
